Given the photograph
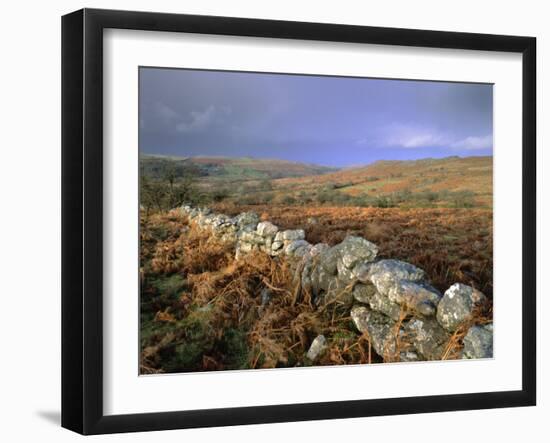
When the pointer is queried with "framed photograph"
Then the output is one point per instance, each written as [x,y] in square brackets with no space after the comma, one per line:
[268,221]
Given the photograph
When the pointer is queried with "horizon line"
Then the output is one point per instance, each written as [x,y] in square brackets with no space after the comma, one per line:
[351,165]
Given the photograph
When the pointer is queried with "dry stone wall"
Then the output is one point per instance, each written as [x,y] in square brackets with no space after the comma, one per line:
[379,290]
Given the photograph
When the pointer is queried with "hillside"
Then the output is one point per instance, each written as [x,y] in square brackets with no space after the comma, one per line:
[432,179]
[454,182]
[228,168]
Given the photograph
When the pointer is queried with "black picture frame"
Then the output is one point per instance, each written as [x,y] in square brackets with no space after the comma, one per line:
[82,218]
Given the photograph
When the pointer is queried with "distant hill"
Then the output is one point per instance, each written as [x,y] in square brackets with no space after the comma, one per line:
[451,175]
[228,168]
[447,182]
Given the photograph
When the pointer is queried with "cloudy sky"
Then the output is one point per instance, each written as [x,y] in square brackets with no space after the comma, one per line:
[336,121]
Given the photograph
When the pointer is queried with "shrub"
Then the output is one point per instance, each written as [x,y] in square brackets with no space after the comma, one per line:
[384,202]
[288,200]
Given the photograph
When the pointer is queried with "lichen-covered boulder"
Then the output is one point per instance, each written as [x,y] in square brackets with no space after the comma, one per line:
[247,219]
[457,305]
[318,345]
[251,237]
[363,293]
[338,292]
[318,249]
[380,328]
[383,304]
[359,315]
[267,229]
[355,249]
[397,284]
[385,273]
[277,247]
[427,336]
[328,259]
[297,248]
[478,342]
[290,235]
[321,280]
[344,273]
[417,296]
[361,271]
[305,276]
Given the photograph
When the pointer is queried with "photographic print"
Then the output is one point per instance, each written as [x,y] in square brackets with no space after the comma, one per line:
[291,220]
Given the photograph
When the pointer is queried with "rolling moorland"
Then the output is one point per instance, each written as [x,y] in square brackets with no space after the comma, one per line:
[434,213]
[448,182]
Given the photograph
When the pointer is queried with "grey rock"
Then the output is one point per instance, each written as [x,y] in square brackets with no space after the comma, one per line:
[354,249]
[384,274]
[339,292]
[267,229]
[380,303]
[318,345]
[380,328]
[291,235]
[457,305]
[427,336]
[420,297]
[218,220]
[321,280]
[478,342]
[328,259]
[251,237]
[318,249]
[359,315]
[363,293]
[361,271]
[344,273]
[247,219]
[266,247]
[297,247]
[326,287]
[305,277]
[279,237]
[276,245]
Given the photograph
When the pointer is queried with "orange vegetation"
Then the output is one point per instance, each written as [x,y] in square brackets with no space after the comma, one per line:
[451,245]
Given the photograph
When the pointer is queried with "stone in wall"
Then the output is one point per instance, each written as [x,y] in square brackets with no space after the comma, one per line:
[386,337]
[356,249]
[364,293]
[427,336]
[458,305]
[478,342]
[247,220]
[419,297]
[398,284]
[383,304]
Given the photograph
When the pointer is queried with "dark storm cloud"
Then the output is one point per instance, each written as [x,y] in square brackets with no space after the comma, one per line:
[327,120]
